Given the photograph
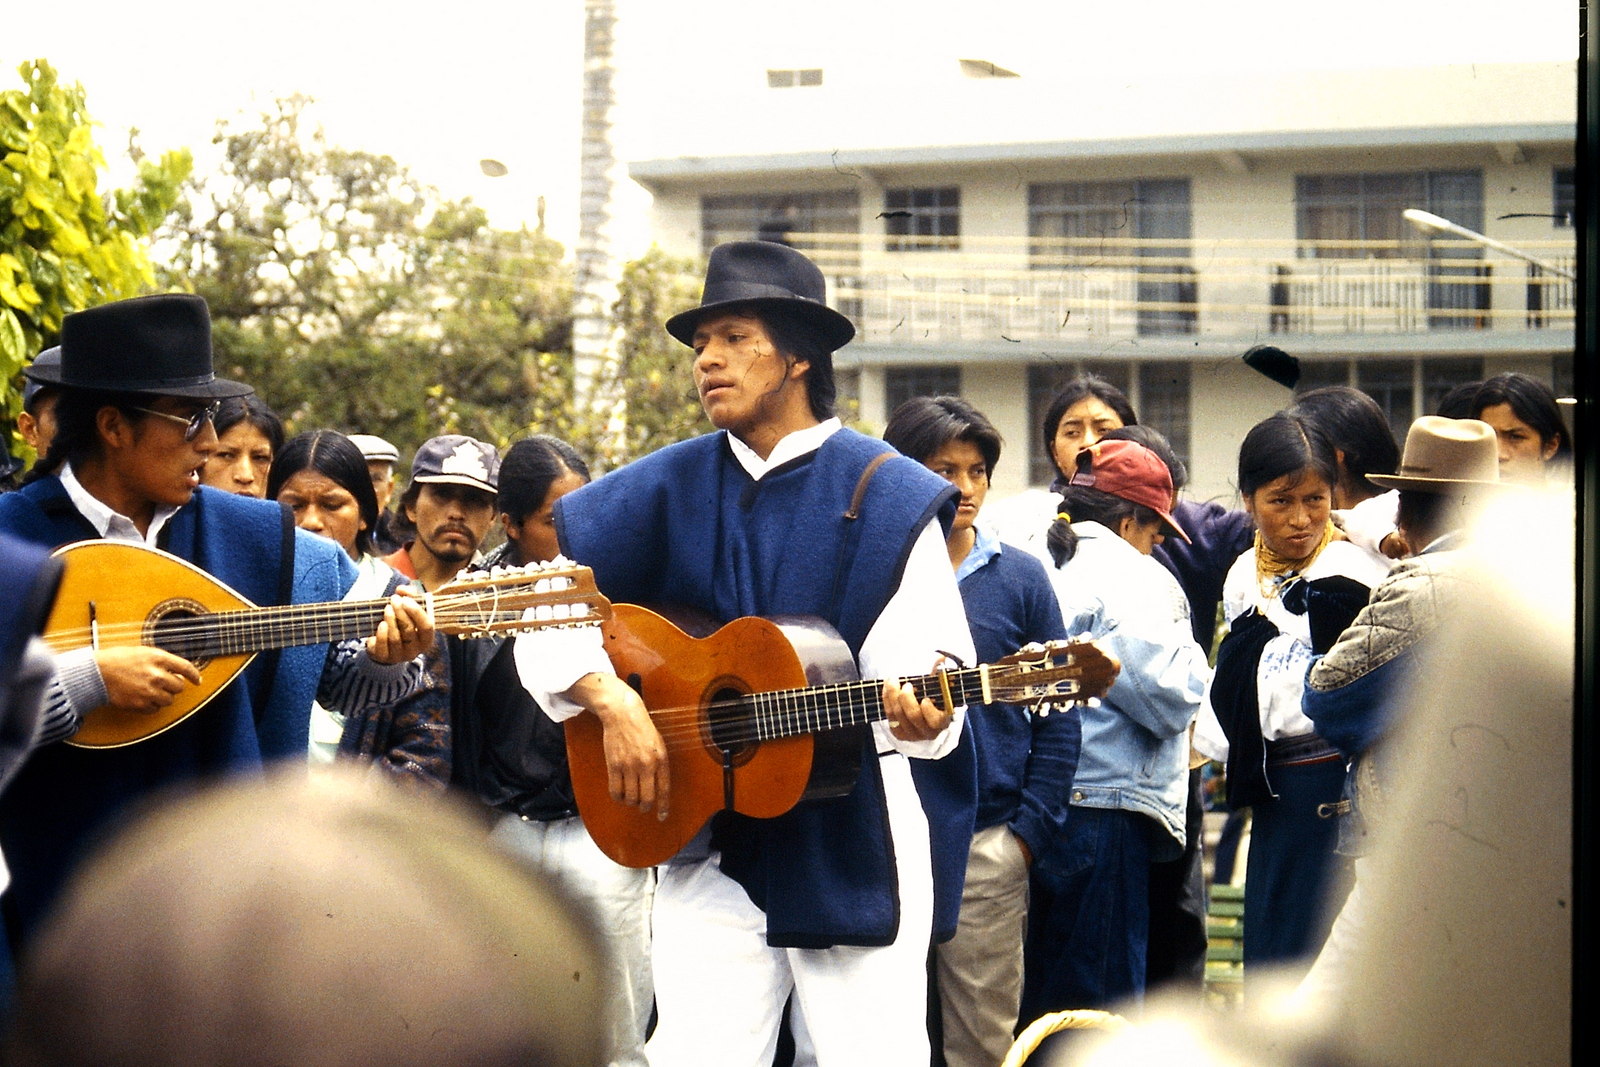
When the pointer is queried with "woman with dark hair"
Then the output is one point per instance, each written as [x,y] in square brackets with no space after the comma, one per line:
[322,478]
[1286,600]
[249,435]
[512,756]
[1025,761]
[1089,919]
[1088,409]
[1082,412]
[1363,444]
[1528,423]
[535,473]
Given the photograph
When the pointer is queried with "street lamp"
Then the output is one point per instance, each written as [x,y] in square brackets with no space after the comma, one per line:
[1427,220]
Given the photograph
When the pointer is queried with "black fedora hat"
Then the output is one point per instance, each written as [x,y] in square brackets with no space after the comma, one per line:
[765,274]
[160,345]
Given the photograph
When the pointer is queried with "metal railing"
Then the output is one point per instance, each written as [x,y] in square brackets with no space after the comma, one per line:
[1037,289]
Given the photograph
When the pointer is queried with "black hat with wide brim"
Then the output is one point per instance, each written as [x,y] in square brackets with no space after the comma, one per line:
[764,274]
[159,345]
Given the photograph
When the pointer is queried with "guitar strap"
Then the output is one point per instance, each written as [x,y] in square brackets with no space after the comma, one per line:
[854,511]
[262,679]
[851,514]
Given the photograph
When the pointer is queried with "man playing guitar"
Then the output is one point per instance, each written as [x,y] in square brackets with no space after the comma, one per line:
[783,511]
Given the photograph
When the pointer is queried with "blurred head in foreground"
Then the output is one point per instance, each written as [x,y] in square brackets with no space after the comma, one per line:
[328,919]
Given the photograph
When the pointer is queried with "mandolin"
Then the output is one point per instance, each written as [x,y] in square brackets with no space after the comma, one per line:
[764,713]
[118,593]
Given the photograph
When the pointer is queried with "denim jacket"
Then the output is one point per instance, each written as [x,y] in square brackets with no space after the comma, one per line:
[1135,754]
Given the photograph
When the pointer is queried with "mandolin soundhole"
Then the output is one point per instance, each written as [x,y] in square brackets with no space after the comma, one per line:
[731,727]
[176,626]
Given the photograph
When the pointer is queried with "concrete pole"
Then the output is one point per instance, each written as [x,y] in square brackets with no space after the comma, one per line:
[598,274]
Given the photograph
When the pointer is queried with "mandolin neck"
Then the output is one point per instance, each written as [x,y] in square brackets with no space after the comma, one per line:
[235,633]
[813,709]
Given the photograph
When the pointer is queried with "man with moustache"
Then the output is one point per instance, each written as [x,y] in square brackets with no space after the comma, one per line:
[781,511]
[450,505]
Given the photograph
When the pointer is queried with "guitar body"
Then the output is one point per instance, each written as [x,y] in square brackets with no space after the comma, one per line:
[691,685]
[108,596]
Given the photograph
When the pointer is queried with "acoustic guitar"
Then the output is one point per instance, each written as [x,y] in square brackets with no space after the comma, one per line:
[764,713]
[118,594]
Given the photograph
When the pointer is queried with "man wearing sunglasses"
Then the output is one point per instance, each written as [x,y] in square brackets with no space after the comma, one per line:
[137,395]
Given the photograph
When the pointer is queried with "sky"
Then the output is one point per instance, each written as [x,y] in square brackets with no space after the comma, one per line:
[443,86]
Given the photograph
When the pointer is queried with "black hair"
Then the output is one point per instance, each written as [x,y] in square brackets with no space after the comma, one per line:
[336,457]
[1284,444]
[528,470]
[1084,385]
[794,336]
[1457,403]
[1532,402]
[77,438]
[252,409]
[1357,426]
[924,424]
[1424,515]
[1086,504]
[31,401]
[1156,442]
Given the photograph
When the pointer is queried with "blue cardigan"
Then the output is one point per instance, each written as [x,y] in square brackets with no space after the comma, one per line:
[687,525]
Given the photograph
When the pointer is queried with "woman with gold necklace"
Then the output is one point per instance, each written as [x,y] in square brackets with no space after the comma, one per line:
[1286,600]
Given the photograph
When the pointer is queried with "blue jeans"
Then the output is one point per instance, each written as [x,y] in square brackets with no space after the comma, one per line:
[1089,915]
[1294,882]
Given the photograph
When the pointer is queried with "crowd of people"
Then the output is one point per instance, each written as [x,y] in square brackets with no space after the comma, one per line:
[987,864]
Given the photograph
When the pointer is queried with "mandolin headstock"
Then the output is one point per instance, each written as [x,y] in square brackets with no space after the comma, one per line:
[1052,676]
[506,600]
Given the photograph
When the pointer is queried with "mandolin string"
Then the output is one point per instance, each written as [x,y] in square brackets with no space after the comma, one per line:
[454,610]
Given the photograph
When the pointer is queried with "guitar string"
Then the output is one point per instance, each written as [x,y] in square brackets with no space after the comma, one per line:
[685,726]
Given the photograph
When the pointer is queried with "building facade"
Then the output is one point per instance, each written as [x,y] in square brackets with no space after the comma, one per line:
[999,240]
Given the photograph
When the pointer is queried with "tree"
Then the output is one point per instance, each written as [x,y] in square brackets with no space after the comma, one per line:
[63,244]
[352,296]
[660,404]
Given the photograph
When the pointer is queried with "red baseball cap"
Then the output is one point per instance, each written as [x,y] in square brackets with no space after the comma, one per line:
[1131,471]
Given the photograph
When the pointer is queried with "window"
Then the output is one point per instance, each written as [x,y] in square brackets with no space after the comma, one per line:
[917,220]
[902,383]
[1388,381]
[789,79]
[1393,383]
[1439,376]
[1069,224]
[1158,391]
[784,217]
[1564,195]
[1332,209]
[1359,216]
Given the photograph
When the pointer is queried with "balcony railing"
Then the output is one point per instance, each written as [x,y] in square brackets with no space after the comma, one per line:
[1108,289]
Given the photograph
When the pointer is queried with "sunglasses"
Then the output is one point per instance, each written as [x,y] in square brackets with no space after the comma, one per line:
[193,424]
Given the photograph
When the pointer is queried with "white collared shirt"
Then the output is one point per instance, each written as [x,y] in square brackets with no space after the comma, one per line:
[110,524]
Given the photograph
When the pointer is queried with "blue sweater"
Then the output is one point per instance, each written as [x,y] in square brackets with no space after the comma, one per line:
[687,525]
[1025,761]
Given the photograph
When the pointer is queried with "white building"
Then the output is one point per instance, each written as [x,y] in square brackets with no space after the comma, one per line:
[992,234]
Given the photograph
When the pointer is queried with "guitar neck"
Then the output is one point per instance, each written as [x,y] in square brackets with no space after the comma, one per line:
[813,709]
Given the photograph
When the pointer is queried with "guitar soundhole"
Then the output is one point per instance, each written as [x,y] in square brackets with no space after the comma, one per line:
[732,730]
[171,626]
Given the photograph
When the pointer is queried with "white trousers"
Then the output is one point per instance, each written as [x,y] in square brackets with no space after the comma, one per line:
[618,900]
[720,988]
